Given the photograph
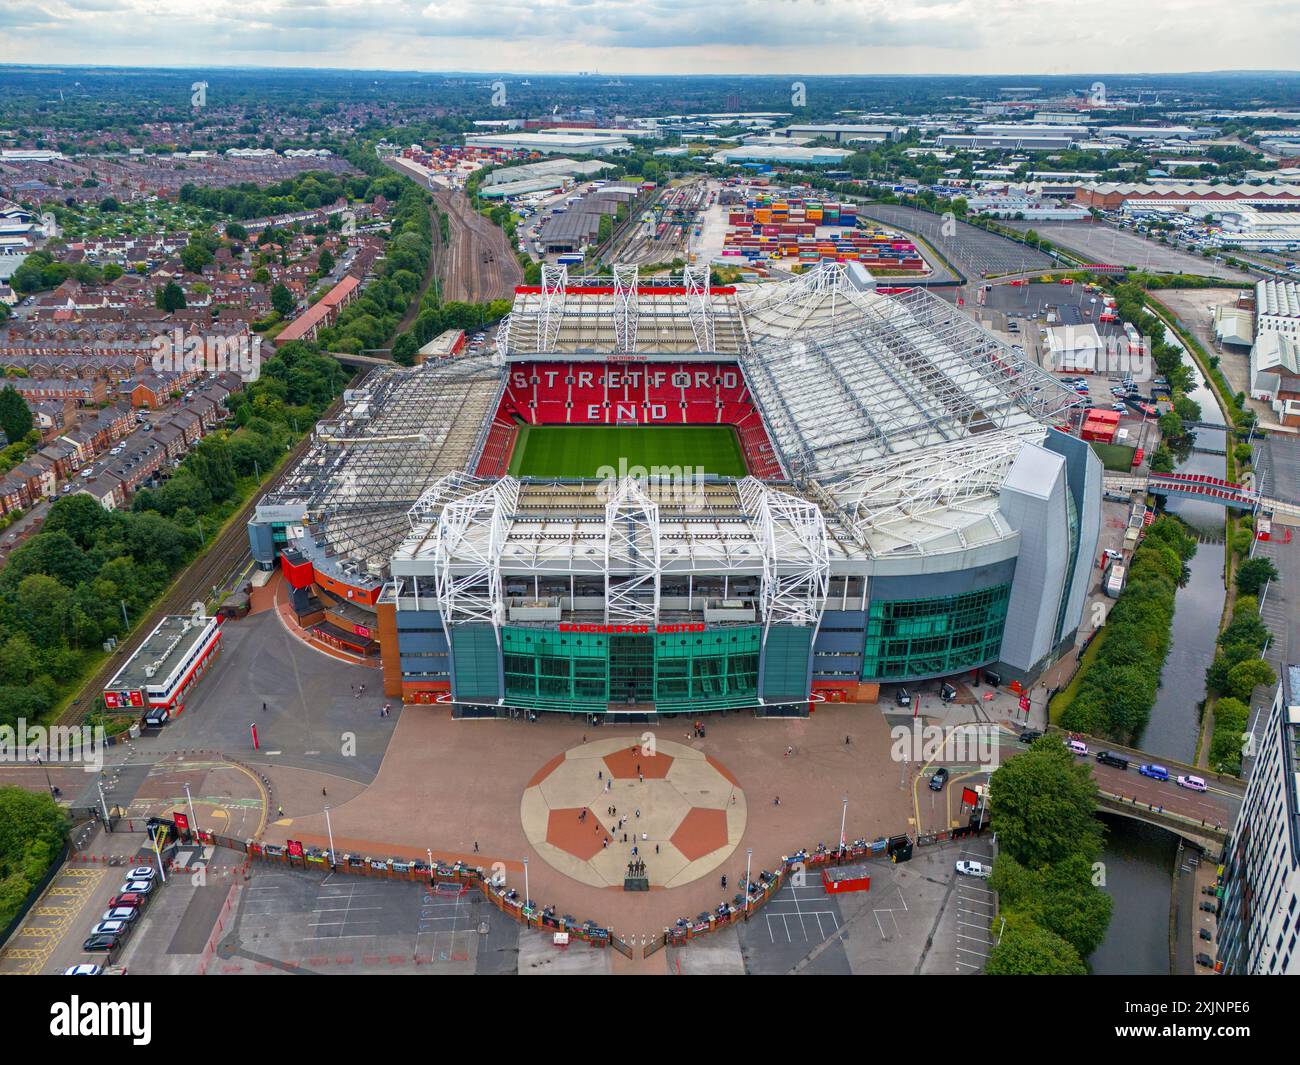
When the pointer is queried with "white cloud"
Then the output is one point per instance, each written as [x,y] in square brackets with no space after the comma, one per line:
[661,36]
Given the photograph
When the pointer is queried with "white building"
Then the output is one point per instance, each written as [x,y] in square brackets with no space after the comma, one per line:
[1277,307]
[1259,915]
[1074,347]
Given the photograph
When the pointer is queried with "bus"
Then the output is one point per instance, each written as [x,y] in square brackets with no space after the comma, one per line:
[571,259]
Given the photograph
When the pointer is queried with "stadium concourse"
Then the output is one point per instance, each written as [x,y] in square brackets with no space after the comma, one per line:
[660,496]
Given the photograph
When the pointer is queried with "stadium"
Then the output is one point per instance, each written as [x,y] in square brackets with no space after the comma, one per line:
[658,496]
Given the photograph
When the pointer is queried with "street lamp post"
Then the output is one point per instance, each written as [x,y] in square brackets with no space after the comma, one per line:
[329,830]
[844,816]
[526,898]
[48,782]
[194,821]
[749,853]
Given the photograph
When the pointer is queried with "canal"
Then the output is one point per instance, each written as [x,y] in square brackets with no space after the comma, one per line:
[1138,858]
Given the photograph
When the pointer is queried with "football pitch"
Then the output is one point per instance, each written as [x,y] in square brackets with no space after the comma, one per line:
[582,450]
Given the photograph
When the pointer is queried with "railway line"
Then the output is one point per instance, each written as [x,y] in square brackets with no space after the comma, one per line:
[194,584]
[478,263]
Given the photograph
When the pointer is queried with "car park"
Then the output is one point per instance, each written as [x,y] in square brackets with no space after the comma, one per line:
[938,779]
[1155,772]
[967,868]
[1191,783]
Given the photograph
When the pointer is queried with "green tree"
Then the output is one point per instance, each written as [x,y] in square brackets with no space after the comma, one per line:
[1027,949]
[171,297]
[1044,802]
[282,300]
[1245,677]
[15,416]
[1253,574]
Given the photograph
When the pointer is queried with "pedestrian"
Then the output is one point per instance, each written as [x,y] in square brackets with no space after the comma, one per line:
[641,777]
[476,846]
[776,801]
[846,741]
[264,708]
[724,880]
[638,811]
[656,848]
[789,751]
[322,791]
[605,845]
[279,811]
[600,774]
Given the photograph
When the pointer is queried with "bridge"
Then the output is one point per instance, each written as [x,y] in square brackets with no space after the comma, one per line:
[1201,817]
[1206,488]
[360,362]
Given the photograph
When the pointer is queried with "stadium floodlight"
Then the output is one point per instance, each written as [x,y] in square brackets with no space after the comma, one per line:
[555,281]
[699,306]
[632,556]
[468,540]
[791,533]
[626,314]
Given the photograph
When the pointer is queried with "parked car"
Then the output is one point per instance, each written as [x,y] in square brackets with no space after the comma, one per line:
[947,693]
[109,928]
[141,872]
[84,969]
[1029,735]
[1210,907]
[966,868]
[1112,759]
[1205,961]
[137,887]
[134,901]
[1155,772]
[1191,783]
[121,914]
[157,716]
[903,697]
[1204,933]
[938,779]
[1077,747]
[96,943]
[1112,554]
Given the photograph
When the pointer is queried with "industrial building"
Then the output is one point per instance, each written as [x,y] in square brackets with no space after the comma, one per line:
[1258,919]
[911,508]
[781,153]
[548,143]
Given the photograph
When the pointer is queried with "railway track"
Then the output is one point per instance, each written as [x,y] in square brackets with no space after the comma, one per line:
[194,584]
[479,264]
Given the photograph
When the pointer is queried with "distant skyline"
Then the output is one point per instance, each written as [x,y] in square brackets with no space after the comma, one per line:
[935,37]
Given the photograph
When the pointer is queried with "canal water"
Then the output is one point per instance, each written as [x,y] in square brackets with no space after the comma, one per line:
[1139,859]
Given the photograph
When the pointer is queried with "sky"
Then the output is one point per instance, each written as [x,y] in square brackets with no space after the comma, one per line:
[662,36]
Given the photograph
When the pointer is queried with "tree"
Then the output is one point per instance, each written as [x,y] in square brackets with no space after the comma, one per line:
[1245,677]
[325,261]
[1026,949]
[171,297]
[1254,574]
[194,257]
[282,300]
[235,231]
[15,416]
[1044,802]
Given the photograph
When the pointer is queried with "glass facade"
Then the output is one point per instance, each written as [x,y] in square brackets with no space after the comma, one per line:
[667,672]
[930,637]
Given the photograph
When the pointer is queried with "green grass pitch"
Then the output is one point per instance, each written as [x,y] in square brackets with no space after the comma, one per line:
[581,450]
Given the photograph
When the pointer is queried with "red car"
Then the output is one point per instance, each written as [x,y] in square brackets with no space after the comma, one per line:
[131,900]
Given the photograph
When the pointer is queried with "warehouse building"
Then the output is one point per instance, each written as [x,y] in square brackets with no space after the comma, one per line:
[551,143]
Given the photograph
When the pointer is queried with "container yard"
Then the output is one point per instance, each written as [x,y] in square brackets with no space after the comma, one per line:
[770,226]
